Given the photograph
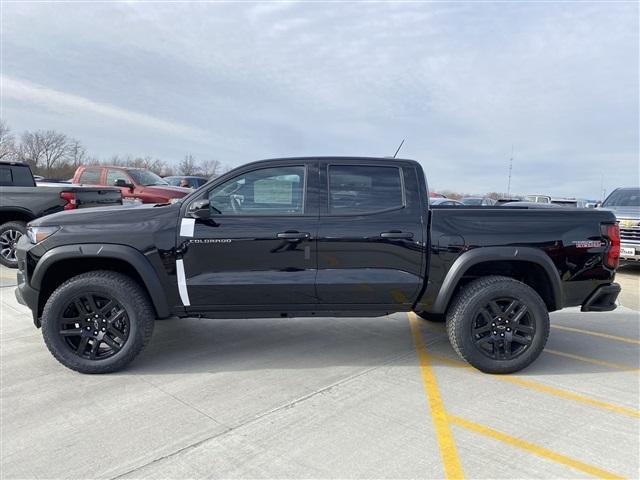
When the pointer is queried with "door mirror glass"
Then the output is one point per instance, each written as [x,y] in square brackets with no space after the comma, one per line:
[200,209]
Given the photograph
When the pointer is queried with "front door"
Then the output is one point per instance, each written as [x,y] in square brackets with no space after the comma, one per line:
[258,247]
[370,237]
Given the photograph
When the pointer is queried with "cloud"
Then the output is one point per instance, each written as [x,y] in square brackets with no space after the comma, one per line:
[53,99]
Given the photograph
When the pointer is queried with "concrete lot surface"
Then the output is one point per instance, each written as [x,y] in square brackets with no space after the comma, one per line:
[323,398]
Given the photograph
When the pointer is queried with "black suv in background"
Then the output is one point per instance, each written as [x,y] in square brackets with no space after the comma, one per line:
[314,237]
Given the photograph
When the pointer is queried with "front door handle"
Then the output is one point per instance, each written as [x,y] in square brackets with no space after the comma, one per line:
[293,236]
[396,234]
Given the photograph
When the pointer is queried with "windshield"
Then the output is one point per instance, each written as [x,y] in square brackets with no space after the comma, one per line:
[623,198]
[472,201]
[146,178]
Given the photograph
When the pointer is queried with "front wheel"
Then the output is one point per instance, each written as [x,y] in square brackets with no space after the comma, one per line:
[97,322]
[498,324]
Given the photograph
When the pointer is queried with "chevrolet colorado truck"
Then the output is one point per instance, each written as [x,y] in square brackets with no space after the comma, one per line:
[314,237]
[21,200]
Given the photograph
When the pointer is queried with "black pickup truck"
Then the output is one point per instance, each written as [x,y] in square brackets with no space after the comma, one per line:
[21,200]
[314,237]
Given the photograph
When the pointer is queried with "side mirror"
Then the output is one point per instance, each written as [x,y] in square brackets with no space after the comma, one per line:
[123,184]
[200,209]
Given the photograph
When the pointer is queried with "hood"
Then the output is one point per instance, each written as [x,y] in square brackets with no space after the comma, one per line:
[106,217]
[625,212]
[168,190]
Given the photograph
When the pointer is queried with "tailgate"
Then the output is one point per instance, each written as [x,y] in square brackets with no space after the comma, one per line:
[97,197]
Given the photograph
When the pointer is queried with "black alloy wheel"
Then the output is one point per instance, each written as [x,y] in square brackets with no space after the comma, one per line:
[503,329]
[94,326]
[98,321]
[498,324]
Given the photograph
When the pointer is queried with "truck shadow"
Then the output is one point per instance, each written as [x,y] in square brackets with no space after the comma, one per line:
[206,345]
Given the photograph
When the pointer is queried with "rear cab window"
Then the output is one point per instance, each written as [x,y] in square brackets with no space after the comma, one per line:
[16,176]
[362,189]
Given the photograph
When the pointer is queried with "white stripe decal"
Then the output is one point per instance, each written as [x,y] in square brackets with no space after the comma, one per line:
[182,283]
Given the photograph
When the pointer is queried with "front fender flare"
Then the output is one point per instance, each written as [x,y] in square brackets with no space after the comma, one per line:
[487,254]
[97,250]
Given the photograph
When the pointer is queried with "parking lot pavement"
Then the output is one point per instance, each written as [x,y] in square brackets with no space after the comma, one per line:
[323,398]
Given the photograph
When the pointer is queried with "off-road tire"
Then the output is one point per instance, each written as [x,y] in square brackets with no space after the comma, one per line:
[432,317]
[464,310]
[128,293]
[16,226]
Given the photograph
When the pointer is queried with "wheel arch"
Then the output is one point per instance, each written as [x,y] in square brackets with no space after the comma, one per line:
[61,263]
[15,214]
[529,265]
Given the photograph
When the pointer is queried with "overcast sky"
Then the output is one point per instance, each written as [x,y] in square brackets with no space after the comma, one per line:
[238,82]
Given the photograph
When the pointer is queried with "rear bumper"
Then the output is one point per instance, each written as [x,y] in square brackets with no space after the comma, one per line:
[603,299]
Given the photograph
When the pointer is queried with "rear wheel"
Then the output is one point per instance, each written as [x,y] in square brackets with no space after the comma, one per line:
[498,324]
[10,233]
[97,322]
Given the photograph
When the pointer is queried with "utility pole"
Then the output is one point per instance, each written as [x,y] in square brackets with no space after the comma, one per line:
[510,169]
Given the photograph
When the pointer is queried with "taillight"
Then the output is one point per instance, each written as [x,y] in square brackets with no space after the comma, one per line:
[612,253]
[70,197]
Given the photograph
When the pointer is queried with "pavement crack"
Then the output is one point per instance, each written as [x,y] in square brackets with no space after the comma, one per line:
[266,413]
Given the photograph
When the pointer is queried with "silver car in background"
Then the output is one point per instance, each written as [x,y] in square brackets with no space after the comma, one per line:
[625,203]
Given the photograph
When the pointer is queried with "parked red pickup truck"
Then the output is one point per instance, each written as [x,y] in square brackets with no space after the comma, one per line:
[135,183]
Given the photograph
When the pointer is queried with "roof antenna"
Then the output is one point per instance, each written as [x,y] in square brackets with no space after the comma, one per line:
[399,147]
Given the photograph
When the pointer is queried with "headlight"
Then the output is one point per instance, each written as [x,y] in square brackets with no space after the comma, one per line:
[174,200]
[38,234]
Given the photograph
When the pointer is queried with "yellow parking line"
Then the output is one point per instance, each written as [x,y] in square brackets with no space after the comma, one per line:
[446,442]
[595,361]
[531,447]
[597,334]
[546,389]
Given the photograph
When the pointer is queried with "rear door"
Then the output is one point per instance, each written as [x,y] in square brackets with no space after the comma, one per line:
[370,237]
[258,248]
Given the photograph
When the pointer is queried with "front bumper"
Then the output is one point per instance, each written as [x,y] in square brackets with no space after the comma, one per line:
[629,251]
[603,299]
[25,293]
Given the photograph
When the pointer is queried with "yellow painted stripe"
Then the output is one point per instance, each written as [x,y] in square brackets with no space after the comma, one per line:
[532,448]
[546,389]
[446,442]
[594,361]
[597,334]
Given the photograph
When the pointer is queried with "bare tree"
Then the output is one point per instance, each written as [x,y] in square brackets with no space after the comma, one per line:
[187,166]
[77,153]
[7,142]
[44,148]
[210,168]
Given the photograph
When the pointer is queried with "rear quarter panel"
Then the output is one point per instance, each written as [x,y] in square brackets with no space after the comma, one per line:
[557,232]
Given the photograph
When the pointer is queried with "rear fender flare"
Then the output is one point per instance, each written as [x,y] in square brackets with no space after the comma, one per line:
[487,254]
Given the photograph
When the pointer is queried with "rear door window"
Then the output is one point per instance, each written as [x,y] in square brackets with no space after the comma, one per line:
[357,189]
[91,176]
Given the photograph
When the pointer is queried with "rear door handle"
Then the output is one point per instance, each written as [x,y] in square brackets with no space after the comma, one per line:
[396,234]
[293,236]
